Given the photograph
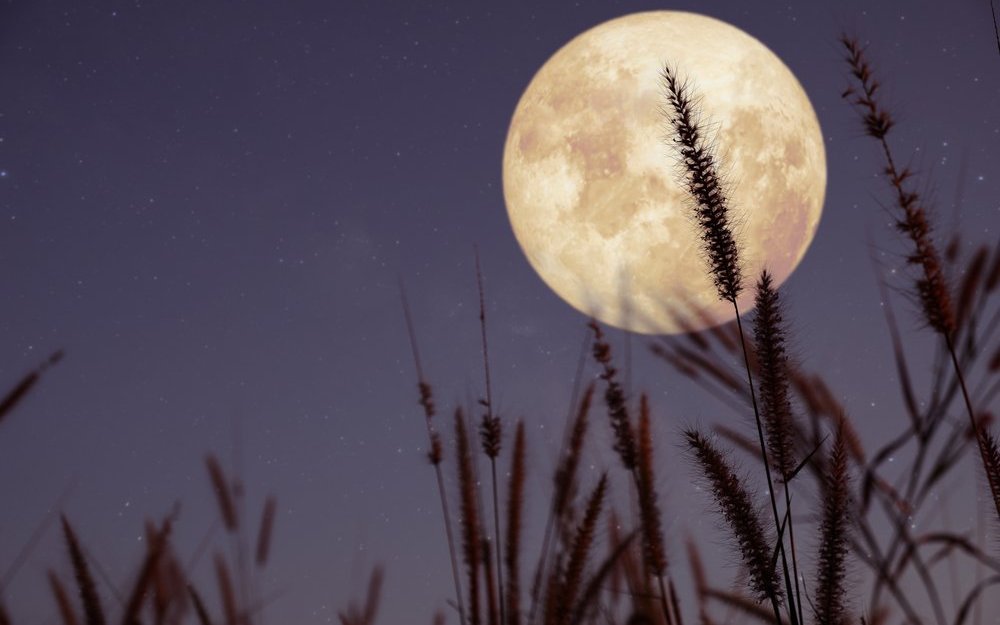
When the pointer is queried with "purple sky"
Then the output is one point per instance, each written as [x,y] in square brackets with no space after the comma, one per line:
[207,205]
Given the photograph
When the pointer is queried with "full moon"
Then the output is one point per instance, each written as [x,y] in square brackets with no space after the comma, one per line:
[591,179]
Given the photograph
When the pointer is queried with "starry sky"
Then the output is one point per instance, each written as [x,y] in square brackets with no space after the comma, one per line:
[208,205]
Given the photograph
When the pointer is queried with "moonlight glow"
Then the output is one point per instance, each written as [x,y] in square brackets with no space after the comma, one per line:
[591,183]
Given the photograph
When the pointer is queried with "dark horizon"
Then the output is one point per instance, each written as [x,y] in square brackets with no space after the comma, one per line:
[208,209]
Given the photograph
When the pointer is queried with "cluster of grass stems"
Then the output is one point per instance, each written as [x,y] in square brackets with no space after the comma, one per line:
[800,428]
[162,591]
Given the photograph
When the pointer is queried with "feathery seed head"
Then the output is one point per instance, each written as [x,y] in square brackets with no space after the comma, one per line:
[739,512]
[831,561]
[614,398]
[490,434]
[931,287]
[701,178]
[654,550]
[773,383]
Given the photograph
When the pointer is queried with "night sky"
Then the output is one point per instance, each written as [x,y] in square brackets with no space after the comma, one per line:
[208,207]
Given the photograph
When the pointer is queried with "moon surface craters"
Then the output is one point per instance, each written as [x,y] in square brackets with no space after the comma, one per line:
[592,184]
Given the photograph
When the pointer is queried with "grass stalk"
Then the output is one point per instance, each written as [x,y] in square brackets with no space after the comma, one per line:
[515,505]
[711,211]
[564,480]
[471,545]
[930,286]
[793,615]
[92,610]
[491,436]
[435,454]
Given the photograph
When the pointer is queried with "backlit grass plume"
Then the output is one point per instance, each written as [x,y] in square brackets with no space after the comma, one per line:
[471,546]
[775,402]
[435,454]
[772,360]
[701,176]
[14,396]
[92,610]
[582,540]
[614,397]
[649,511]
[911,216]
[741,515]
[831,562]
[223,493]
[991,463]
[653,544]
[266,531]
[515,506]
[564,481]
[930,286]
[365,613]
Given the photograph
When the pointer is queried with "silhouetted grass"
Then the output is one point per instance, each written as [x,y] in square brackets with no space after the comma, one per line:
[851,496]
[735,504]
[700,171]
[93,613]
[834,529]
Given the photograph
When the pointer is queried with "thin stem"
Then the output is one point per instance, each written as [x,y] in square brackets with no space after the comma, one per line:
[674,603]
[791,540]
[550,521]
[972,421]
[496,525]
[663,601]
[435,449]
[636,486]
[878,563]
[482,330]
[996,28]
[451,543]
[490,417]
[792,613]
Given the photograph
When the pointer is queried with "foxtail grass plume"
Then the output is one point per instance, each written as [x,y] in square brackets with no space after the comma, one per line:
[831,562]
[911,217]
[701,177]
[991,464]
[223,494]
[149,573]
[364,614]
[92,610]
[565,475]
[266,530]
[65,606]
[773,380]
[21,390]
[470,514]
[435,453]
[583,539]
[654,551]
[515,508]
[489,435]
[737,508]
[614,397]
[931,286]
